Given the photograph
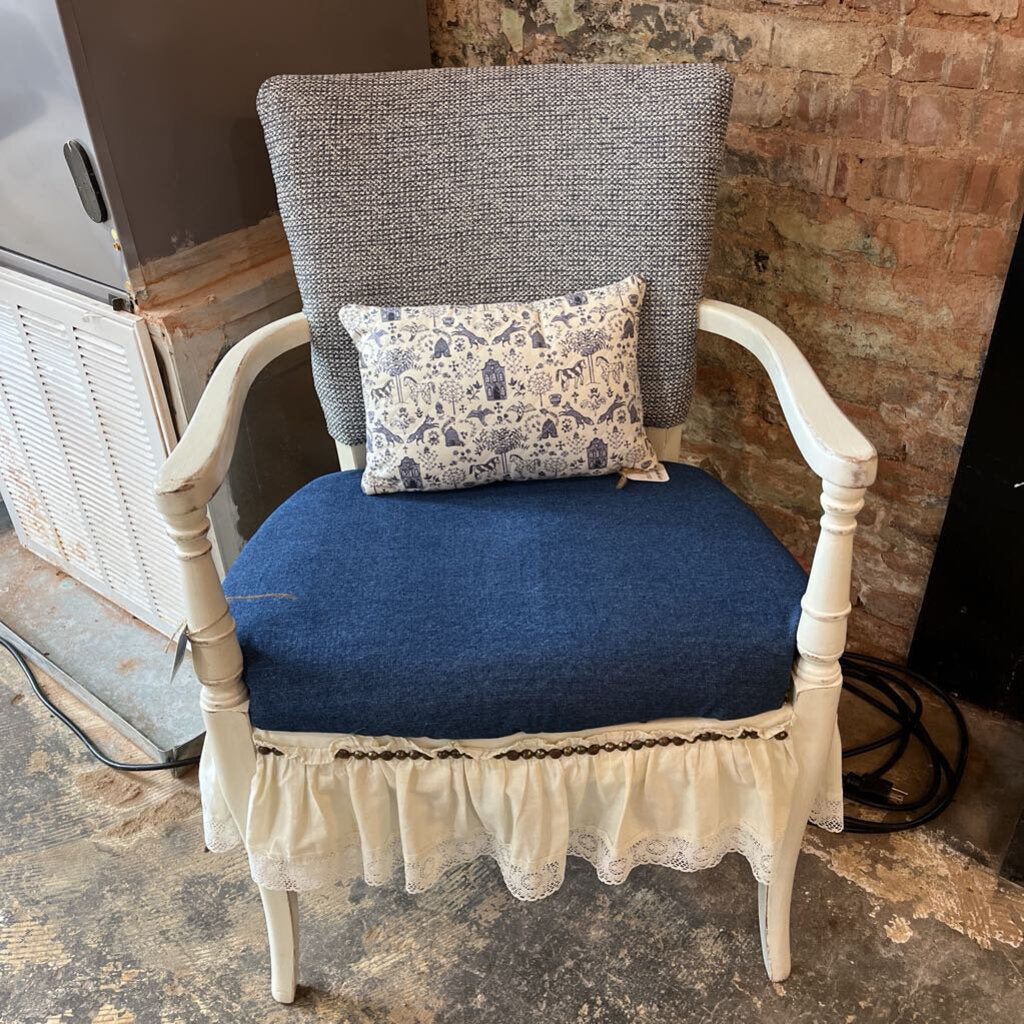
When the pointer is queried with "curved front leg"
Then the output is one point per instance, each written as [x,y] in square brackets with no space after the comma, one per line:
[281,911]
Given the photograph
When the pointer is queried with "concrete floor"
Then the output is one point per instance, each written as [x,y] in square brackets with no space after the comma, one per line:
[119,667]
[112,913]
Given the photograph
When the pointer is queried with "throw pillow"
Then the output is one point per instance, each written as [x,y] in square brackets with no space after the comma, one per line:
[458,396]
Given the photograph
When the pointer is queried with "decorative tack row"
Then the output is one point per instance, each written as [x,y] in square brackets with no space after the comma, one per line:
[597,748]
[553,752]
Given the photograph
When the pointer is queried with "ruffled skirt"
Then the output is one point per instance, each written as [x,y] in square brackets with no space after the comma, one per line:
[678,793]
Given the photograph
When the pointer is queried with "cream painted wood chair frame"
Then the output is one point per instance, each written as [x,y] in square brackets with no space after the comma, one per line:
[830,444]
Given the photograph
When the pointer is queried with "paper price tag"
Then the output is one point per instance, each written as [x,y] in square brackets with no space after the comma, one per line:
[179,649]
[657,474]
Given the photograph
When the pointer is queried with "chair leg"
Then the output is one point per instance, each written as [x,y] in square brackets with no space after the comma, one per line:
[817,681]
[812,731]
[281,910]
[773,903]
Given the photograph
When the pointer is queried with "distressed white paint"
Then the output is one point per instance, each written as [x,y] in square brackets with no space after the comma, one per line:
[83,430]
[832,446]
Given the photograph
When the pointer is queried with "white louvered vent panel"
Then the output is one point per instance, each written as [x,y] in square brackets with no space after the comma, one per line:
[56,365]
[34,433]
[85,430]
[132,444]
[21,490]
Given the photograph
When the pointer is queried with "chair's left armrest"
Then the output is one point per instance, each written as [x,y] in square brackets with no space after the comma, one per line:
[196,468]
[830,444]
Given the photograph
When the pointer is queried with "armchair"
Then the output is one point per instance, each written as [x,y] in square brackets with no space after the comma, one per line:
[782,767]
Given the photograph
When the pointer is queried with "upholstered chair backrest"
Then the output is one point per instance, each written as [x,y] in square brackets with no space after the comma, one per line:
[484,184]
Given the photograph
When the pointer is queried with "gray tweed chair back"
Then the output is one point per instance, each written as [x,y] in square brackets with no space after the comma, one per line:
[485,184]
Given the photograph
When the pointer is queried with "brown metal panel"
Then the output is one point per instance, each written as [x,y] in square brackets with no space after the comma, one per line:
[170,89]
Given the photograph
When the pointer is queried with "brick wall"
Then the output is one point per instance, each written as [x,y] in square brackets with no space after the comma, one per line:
[870,198]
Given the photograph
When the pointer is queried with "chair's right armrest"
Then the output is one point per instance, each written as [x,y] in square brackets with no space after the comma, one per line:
[196,468]
[830,444]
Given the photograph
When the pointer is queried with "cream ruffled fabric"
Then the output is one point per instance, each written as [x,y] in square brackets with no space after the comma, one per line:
[315,820]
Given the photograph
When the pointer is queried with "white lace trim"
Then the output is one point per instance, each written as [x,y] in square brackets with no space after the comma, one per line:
[221,836]
[219,831]
[827,814]
[528,882]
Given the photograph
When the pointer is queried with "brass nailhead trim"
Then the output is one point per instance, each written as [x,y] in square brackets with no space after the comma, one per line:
[660,741]
[554,752]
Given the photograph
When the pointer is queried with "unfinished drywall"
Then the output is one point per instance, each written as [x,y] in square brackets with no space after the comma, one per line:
[870,199]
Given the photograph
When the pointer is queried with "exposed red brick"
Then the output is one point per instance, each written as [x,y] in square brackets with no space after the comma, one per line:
[982,250]
[998,124]
[933,55]
[931,119]
[994,189]
[778,159]
[963,70]
[813,100]
[1006,72]
[762,99]
[968,8]
[830,103]
[913,243]
[979,181]
[936,182]
[1004,196]
[861,113]
[838,48]
[931,181]
[854,176]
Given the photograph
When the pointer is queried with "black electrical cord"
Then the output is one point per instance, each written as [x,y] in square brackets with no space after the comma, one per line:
[895,697]
[121,766]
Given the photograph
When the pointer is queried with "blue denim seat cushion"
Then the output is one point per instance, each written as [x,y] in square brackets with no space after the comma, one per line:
[543,607]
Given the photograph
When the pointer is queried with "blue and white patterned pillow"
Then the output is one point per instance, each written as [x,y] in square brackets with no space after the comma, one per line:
[463,395]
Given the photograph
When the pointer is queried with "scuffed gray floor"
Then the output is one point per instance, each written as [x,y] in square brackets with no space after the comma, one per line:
[112,913]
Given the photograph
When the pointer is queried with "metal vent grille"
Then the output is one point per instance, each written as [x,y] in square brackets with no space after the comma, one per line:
[83,431]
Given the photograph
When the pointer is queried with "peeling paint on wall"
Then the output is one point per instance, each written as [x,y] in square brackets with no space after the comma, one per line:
[564,13]
[512,25]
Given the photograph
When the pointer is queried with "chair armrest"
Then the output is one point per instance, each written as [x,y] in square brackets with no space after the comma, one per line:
[196,468]
[830,444]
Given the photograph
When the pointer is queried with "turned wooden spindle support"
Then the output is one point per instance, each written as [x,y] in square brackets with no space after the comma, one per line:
[821,634]
[188,480]
[216,656]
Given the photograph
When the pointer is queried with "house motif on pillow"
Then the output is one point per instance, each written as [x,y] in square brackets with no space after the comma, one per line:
[597,454]
[409,471]
[494,381]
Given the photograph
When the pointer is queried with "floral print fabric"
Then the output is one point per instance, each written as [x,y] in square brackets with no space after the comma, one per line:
[458,396]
